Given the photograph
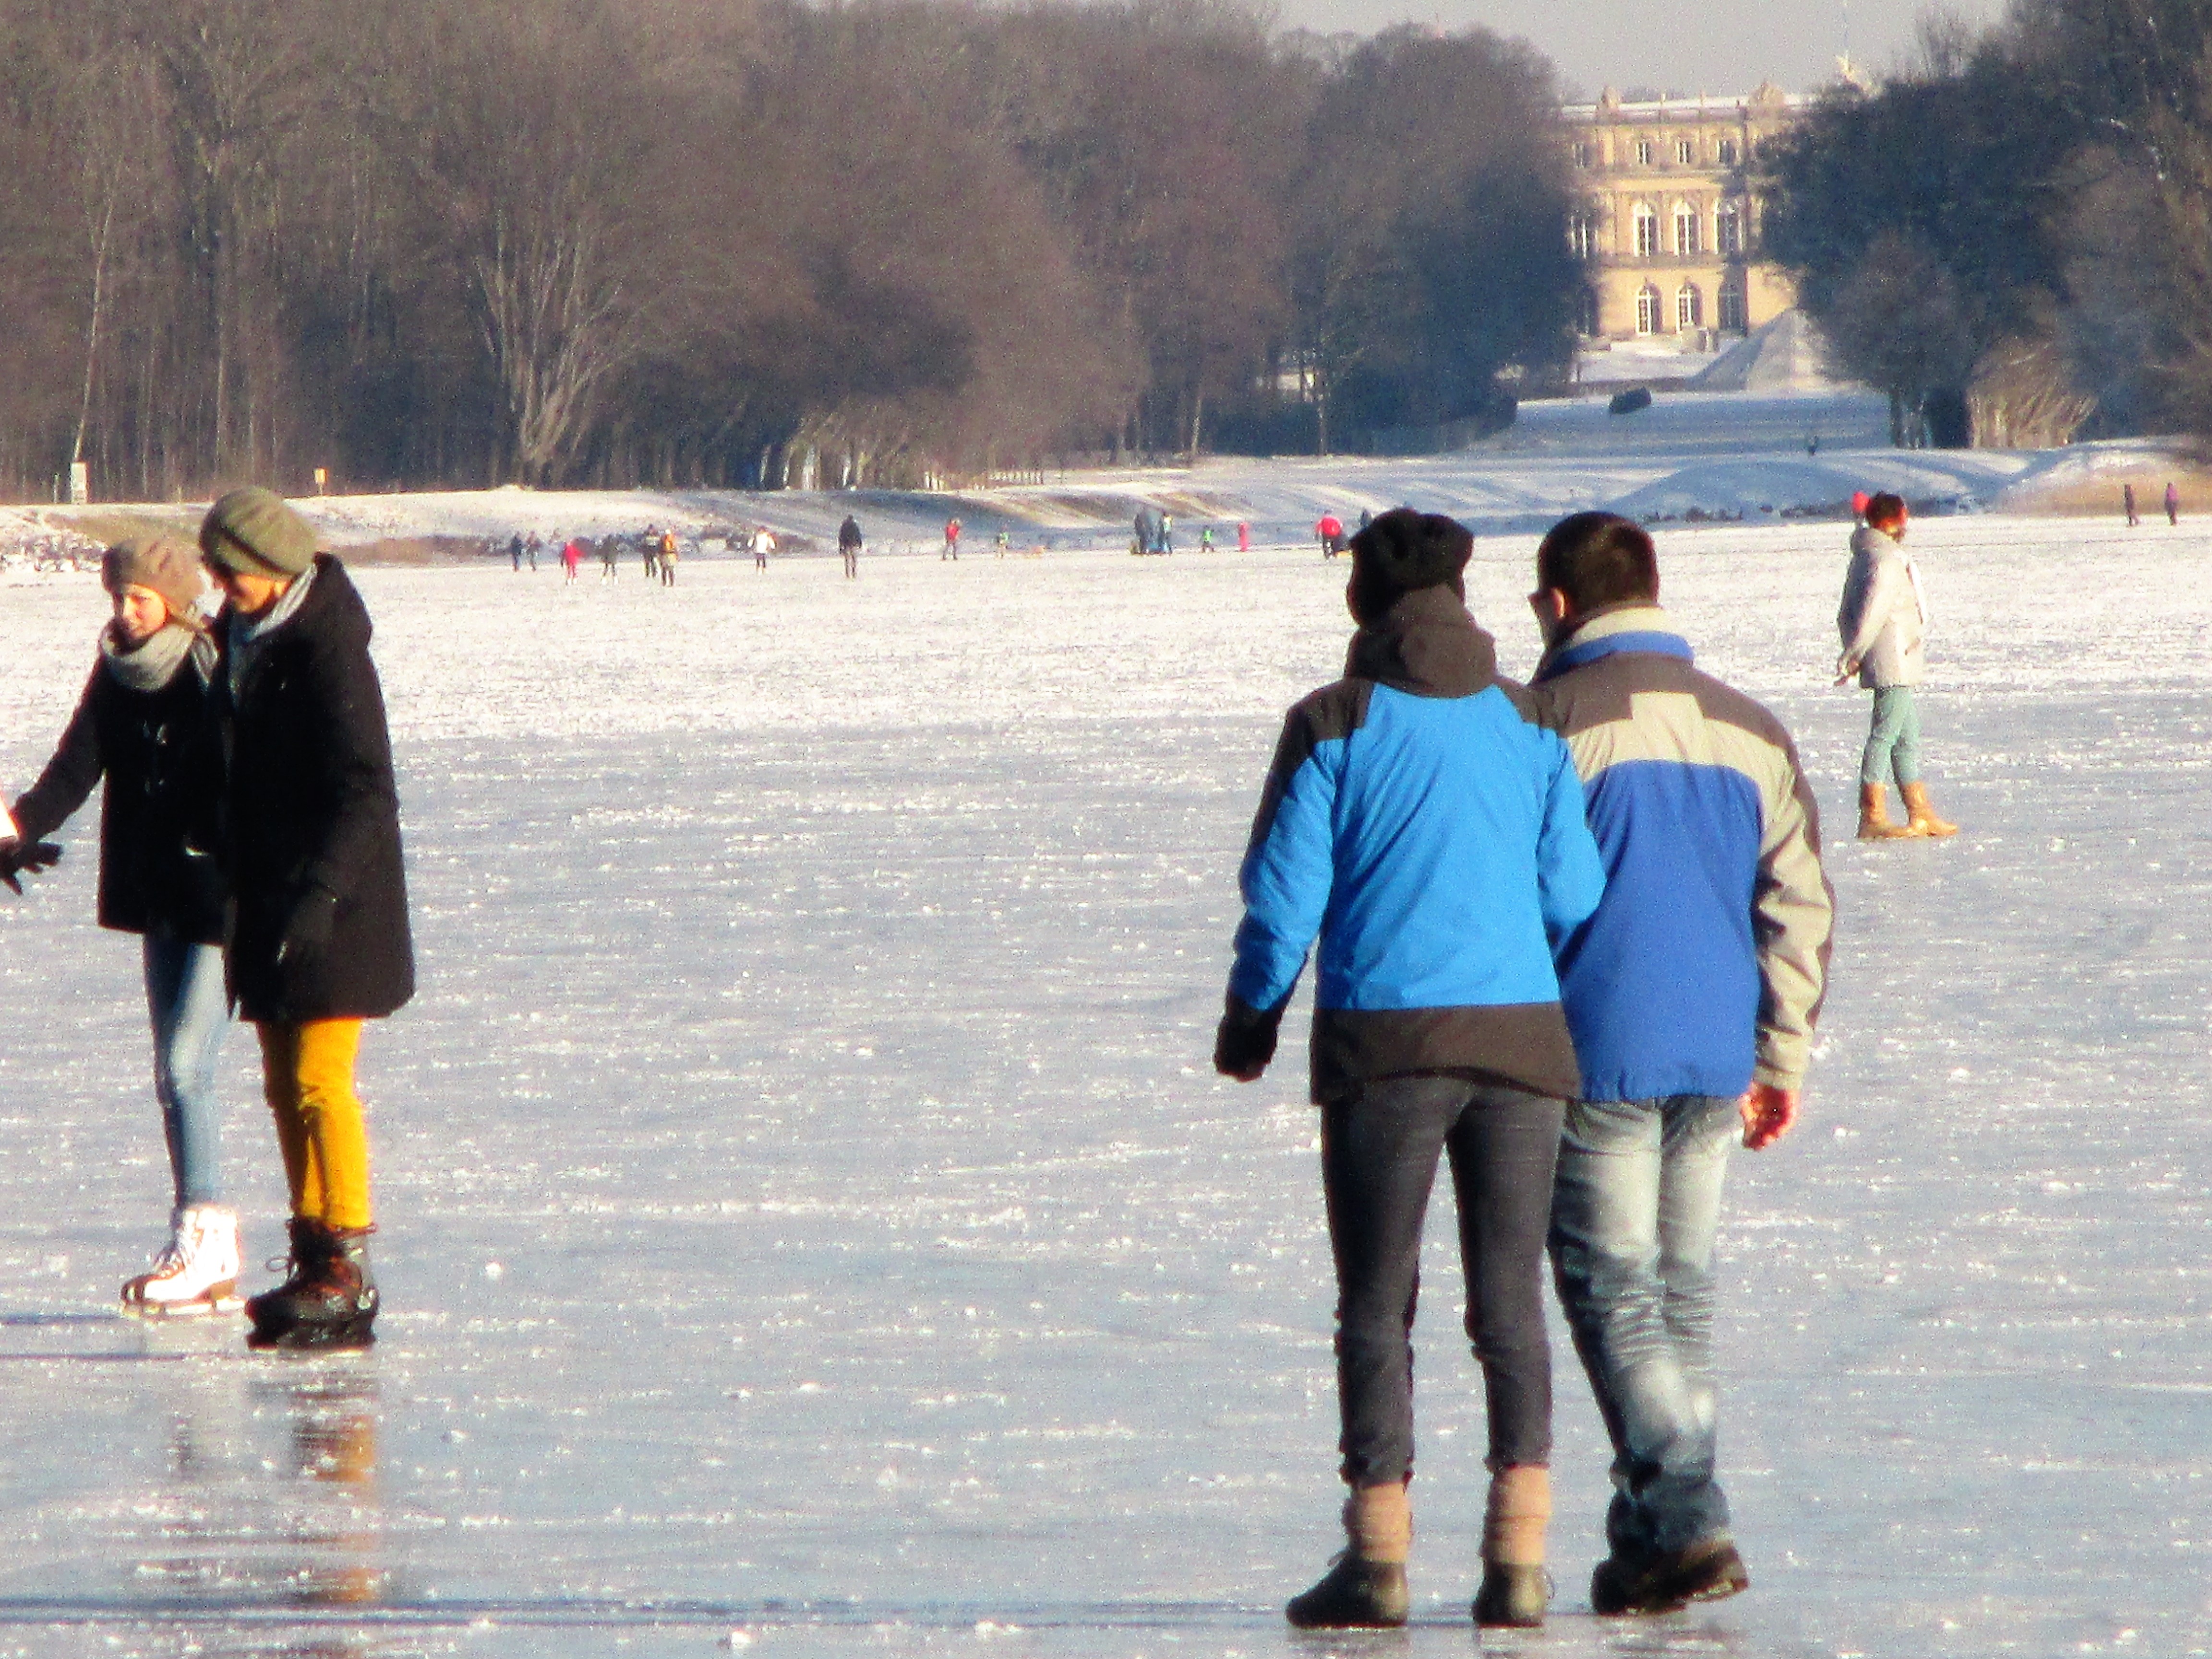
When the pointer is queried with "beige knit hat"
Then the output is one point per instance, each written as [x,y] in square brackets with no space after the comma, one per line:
[168,568]
[255,532]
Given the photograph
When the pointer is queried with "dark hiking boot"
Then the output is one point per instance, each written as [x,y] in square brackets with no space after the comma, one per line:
[1353,1595]
[1705,1571]
[1512,1597]
[328,1301]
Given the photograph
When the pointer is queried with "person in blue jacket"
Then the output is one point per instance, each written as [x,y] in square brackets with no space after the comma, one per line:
[1432,835]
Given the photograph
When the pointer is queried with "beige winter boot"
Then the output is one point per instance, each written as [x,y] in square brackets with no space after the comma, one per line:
[1515,1587]
[1874,817]
[1921,817]
[1365,1587]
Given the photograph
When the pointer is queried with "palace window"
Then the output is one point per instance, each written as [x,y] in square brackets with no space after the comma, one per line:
[1580,239]
[1685,151]
[1648,303]
[1644,152]
[1582,155]
[1647,231]
[1735,313]
[1689,308]
[1727,152]
[1730,223]
[1685,228]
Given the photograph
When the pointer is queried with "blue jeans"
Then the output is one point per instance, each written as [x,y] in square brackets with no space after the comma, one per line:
[1379,1154]
[1633,1219]
[1893,740]
[184,998]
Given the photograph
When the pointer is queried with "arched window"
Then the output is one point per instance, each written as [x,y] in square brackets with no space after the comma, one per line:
[1648,304]
[1582,238]
[1686,228]
[1647,231]
[1735,312]
[1689,308]
[1729,222]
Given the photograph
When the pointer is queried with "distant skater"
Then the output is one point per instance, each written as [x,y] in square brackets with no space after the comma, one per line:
[952,541]
[667,558]
[649,545]
[848,543]
[1883,621]
[530,549]
[1330,529]
[2128,504]
[1243,536]
[610,550]
[515,550]
[764,544]
[2173,504]
[572,555]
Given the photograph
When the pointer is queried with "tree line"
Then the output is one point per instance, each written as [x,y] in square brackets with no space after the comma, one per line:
[749,242]
[2012,236]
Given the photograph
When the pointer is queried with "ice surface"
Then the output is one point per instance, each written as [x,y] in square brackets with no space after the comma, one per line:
[811,1223]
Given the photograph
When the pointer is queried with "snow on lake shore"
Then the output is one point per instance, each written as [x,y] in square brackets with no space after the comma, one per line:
[808,1211]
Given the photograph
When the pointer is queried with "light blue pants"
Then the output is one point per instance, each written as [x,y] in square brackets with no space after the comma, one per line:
[1894,741]
[1635,1209]
[184,998]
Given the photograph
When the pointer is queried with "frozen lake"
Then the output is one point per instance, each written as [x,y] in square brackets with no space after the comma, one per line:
[809,1212]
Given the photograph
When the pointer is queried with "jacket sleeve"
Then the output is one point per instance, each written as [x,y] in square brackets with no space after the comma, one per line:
[70,776]
[1289,866]
[1570,873]
[356,760]
[1876,589]
[1793,923]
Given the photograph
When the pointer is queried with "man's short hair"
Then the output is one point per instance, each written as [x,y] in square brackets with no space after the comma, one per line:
[1598,558]
[1885,509]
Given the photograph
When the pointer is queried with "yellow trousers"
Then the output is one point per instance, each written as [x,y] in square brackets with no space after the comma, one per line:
[307,1075]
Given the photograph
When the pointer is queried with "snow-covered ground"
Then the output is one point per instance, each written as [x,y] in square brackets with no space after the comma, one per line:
[810,1221]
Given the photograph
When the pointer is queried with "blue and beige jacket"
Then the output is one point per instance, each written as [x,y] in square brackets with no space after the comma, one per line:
[1704,965]
[1431,833]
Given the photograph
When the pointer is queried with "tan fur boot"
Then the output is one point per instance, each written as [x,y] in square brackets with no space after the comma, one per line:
[1920,816]
[1514,1589]
[1365,1588]
[1874,815]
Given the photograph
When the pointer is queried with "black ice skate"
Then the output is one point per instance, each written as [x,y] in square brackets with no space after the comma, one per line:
[330,1299]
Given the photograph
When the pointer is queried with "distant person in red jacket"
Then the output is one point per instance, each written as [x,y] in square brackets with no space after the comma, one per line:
[1859,499]
[952,541]
[1331,532]
[571,556]
[1243,536]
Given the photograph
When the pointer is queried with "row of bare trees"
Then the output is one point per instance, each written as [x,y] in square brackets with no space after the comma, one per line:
[2012,237]
[748,241]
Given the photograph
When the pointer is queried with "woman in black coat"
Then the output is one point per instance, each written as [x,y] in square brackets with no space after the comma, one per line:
[318,937]
[142,724]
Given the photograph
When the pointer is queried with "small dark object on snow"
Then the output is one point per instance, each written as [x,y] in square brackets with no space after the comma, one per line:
[1628,402]
[1706,1572]
[1354,1594]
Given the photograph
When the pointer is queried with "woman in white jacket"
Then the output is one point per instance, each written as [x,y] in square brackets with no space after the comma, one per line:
[1883,621]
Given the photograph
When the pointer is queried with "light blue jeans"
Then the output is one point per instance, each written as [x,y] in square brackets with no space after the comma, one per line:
[184,998]
[1893,741]
[1634,1211]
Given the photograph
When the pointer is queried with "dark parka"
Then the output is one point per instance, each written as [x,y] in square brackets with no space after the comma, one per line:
[156,819]
[310,806]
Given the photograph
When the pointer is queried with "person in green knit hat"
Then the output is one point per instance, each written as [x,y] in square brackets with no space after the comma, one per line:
[318,939]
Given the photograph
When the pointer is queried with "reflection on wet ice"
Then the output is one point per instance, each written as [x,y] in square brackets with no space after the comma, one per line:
[270,1498]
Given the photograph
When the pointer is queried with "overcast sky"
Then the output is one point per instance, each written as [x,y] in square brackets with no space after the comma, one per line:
[1683,45]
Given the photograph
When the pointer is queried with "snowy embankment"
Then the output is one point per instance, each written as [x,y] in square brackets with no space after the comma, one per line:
[807,1210]
[1690,458]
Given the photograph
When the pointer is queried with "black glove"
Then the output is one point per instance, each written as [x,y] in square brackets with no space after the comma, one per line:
[1245,1041]
[308,931]
[17,855]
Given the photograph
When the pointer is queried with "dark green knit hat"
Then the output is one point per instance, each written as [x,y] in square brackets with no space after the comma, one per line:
[255,532]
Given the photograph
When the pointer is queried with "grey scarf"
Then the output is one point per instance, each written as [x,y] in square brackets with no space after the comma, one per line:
[249,638]
[152,663]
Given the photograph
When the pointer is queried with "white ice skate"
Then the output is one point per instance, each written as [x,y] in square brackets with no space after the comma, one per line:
[196,1272]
